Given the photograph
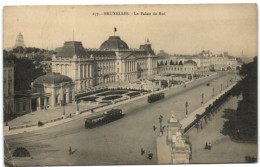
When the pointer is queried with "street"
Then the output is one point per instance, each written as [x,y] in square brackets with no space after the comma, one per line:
[118,142]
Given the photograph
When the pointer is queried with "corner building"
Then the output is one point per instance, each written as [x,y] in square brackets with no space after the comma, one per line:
[112,62]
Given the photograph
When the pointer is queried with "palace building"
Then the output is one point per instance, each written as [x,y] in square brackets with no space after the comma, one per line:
[112,62]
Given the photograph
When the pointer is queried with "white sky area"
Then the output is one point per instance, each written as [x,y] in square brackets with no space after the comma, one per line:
[184,29]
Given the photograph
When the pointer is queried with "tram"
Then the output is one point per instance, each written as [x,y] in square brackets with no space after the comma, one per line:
[155,97]
[103,118]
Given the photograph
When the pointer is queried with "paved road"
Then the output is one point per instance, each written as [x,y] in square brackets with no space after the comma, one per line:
[118,142]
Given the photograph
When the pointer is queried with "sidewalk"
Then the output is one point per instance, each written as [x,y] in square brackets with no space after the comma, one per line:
[164,150]
[192,116]
[72,110]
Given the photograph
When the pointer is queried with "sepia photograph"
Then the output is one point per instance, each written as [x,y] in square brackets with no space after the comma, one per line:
[135,84]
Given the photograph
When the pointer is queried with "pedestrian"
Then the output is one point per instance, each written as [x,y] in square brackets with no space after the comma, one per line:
[142,151]
[201,125]
[70,115]
[154,128]
[206,146]
[70,150]
[209,146]
[150,155]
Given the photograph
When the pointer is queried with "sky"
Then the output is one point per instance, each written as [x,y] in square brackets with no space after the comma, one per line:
[183,29]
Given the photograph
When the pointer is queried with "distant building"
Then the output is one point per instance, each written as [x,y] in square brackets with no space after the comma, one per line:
[19,41]
[8,88]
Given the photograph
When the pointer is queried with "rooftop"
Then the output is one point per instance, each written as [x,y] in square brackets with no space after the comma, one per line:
[51,78]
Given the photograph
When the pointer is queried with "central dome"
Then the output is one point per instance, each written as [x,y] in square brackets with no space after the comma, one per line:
[113,42]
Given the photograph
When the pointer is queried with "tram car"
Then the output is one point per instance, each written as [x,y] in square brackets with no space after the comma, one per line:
[155,97]
[103,118]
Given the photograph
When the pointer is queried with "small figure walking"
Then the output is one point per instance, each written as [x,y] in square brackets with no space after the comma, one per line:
[70,115]
[206,146]
[70,151]
[154,128]
[150,155]
[142,151]
[209,146]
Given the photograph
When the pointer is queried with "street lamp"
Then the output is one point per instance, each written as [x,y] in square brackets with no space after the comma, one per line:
[213,92]
[186,105]
[160,120]
[202,98]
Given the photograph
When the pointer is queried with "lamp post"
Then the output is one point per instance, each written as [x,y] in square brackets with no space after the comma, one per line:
[220,87]
[213,92]
[160,121]
[186,105]
[202,98]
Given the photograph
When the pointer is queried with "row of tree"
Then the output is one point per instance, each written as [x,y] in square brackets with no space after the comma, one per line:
[242,123]
[171,63]
[26,70]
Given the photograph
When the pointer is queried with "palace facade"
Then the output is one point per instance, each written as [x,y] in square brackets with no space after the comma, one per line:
[112,62]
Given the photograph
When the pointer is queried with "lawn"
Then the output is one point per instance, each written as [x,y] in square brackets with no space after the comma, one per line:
[90,98]
[133,94]
[112,97]
[116,92]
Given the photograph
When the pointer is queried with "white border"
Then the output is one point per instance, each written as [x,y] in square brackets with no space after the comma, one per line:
[111,2]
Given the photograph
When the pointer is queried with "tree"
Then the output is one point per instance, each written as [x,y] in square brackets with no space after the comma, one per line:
[25,71]
[242,124]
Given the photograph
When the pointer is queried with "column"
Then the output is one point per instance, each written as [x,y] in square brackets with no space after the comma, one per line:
[87,70]
[67,98]
[38,103]
[61,95]
[53,97]
[90,70]
[61,68]
[45,103]
[73,95]
[84,71]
